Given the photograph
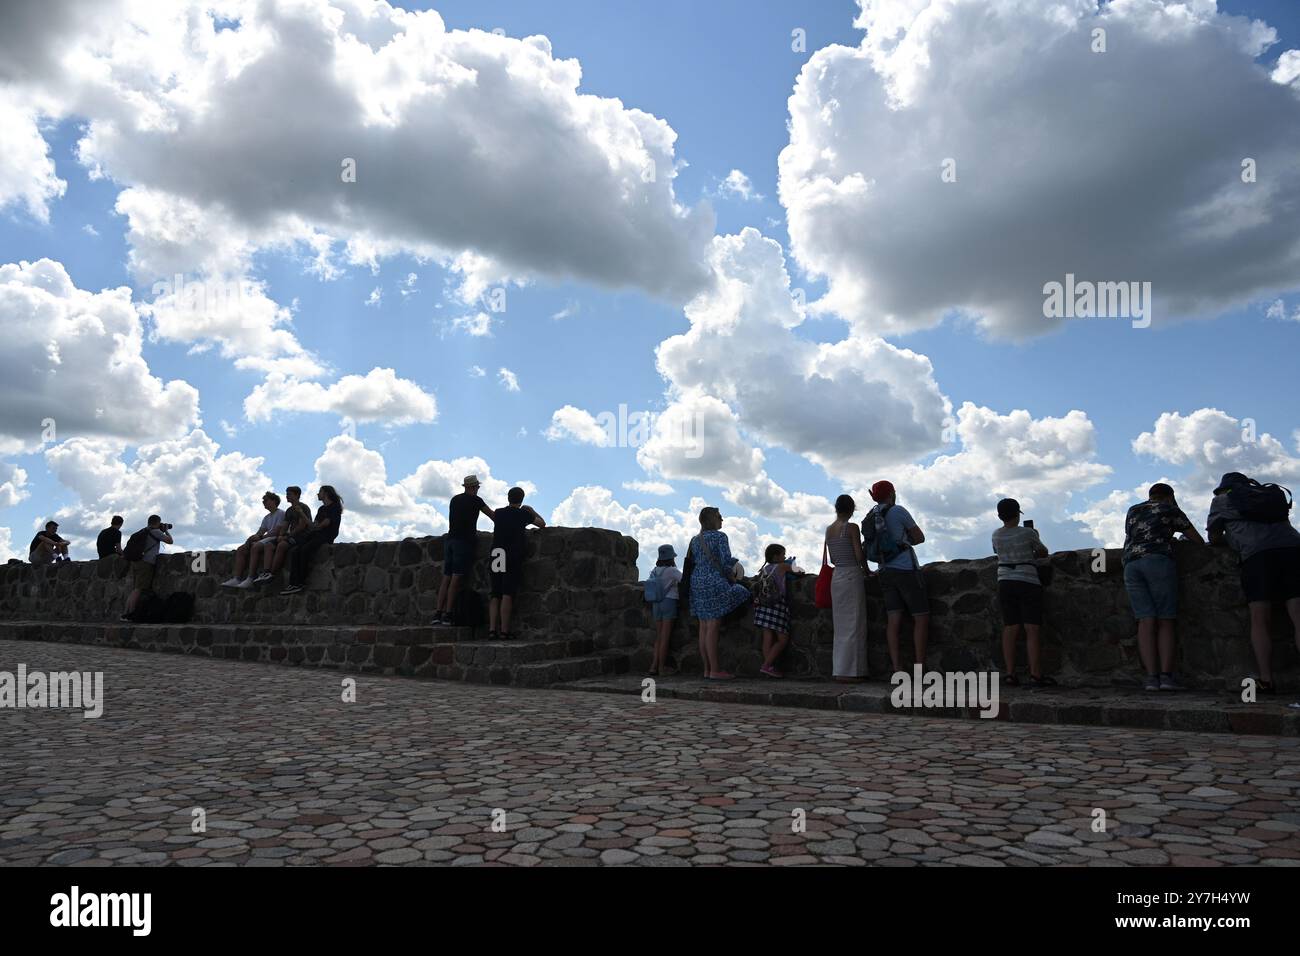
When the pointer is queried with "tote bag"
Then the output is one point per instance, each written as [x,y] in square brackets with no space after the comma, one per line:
[822,594]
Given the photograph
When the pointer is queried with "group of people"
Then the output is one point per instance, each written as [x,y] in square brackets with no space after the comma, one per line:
[1251,519]
[287,535]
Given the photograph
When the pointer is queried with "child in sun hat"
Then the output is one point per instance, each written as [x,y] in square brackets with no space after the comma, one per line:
[661,587]
[772,608]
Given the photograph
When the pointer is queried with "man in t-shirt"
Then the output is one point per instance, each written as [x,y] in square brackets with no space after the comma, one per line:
[47,547]
[1151,579]
[1020,593]
[507,566]
[459,545]
[900,576]
[322,531]
[109,541]
[248,554]
[297,520]
[143,571]
[1270,568]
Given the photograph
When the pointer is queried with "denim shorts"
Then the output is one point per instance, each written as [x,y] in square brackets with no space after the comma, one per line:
[458,555]
[665,610]
[1152,585]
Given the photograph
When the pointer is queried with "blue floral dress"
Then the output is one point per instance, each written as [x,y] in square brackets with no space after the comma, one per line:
[713,596]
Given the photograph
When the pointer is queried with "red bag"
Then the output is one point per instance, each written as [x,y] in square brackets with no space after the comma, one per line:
[822,594]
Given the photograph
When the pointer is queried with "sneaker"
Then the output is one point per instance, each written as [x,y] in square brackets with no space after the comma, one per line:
[1167,682]
[438,621]
[667,670]
[262,577]
[767,670]
[245,584]
[126,619]
[1152,682]
[232,583]
[291,589]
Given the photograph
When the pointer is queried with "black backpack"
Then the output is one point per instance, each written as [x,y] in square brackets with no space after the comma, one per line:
[134,550]
[1255,502]
[468,611]
[178,608]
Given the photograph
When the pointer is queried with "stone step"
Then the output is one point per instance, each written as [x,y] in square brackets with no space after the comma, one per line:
[1198,712]
[444,653]
[547,673]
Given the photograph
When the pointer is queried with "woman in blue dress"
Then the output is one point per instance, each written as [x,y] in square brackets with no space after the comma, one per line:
[714,594]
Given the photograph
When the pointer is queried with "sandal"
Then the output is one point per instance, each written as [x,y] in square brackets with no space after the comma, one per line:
[492,635]
[1011,680]
[1042,681]
[506,635]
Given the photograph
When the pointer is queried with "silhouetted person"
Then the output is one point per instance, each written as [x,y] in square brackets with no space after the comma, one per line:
[47,547]
[507,559]
[297,519]
[891,534]
[109,541]
[329,517]
[248,553]
[459,544]
[144,568]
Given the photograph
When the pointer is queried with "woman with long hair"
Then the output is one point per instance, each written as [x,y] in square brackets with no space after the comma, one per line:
[843,543]
[714,593]
[321,531]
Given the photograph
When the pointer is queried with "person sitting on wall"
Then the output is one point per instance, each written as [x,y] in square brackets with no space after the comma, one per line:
[507,560]
[109,541]
[142,550]
[47,547]
[248,553]
[322,531]
[459,545]
[297,520]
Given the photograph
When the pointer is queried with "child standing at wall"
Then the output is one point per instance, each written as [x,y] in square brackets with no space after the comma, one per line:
[772,608]
[661,592]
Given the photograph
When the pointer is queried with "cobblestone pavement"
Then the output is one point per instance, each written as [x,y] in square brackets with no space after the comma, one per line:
[412,772]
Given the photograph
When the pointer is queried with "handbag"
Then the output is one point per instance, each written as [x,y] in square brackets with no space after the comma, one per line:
[822,593]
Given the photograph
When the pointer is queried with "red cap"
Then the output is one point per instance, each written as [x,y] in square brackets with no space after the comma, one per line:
[881,491]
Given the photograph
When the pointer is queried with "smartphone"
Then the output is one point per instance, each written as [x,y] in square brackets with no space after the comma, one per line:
[1029,523]
[790,561]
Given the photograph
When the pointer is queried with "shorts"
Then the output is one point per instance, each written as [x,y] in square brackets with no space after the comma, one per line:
[1272,575]
[142,575]
[506,583]
[458,555]
[1021,602]
[270,541]
[1152,585]
[904,591]
[665,610]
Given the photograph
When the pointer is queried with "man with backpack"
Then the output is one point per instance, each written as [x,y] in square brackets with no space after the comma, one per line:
[888,535]
[142,552]
[460,544]
[1254,520]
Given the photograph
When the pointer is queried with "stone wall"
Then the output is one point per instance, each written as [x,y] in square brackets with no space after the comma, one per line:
[1089,633]
[581,584]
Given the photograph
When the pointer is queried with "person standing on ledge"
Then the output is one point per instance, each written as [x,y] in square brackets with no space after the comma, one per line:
[507,562]
[109,541]
[1151,579]
[458,547]
[891,535]
[1020,592]
[1254,520]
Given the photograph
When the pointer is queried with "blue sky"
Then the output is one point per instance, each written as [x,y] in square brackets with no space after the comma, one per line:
[720,75]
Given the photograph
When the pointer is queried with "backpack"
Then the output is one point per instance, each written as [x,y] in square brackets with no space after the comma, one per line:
[1268,503]
[134,550]
[880,544]
[654,587]
[178,608]
[765,590]
[468,611]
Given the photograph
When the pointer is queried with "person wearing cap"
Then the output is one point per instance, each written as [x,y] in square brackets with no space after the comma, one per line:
[47,547]
[1270,568]
[664,611]
[901,580]
[1151,579]
[459,546]
[507,565]
[1020,593]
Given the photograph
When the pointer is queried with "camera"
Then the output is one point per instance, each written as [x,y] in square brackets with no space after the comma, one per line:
[165,526]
